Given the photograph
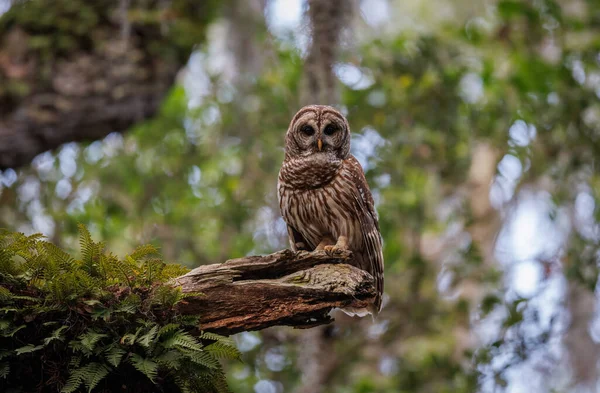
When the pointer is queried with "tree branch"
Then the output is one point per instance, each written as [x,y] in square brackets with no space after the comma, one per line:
[285,288]
[108,70]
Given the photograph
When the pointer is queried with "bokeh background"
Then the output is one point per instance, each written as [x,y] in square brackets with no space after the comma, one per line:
[477,124]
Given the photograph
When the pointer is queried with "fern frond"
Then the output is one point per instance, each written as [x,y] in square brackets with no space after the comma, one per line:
[5,295]
[56,335]
[147,339]
[146,366]
[94,373]
[172,271]
[219,382]
[74,381]
[170,359]
[203,358]
[222,350]
[4,370]
[144,251]
[168,328]
[129,304]
[181,339]
[9,332]
[63,259]
[75,361]
[189,320]
[28,349]
[86,243]
[114,354]
[216,337]
[87,341]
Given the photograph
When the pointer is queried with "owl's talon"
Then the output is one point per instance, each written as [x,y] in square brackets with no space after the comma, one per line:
[326,242]
[332,250]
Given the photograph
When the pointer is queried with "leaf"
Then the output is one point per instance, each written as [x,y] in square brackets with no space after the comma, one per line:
[64,260]
[223,351]
[129,338]
[143,251]
[86,243]
[74,381]
[90,339]
[93,374]
[56,335]
[12,332]
[168,328]
[216,337]
[28,349]
[5,294]
[204,358]
[4,370]
[182,339]
[147,367]
[147,339]
[171,359]
[114,355]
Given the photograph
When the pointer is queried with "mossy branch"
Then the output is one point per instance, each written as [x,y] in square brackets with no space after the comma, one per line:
[285,288]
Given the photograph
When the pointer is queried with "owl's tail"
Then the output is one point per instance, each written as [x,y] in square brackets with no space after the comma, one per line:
[372,310]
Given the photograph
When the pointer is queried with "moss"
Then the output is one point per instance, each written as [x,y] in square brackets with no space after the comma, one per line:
[60,27]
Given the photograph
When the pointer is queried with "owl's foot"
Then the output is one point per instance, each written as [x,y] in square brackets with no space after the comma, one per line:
[326,242]
[300,246]
[342,244]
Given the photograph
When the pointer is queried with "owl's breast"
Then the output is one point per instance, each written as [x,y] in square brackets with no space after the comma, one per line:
[328,210]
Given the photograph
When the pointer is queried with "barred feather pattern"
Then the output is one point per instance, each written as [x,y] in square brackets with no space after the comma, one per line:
[324,194]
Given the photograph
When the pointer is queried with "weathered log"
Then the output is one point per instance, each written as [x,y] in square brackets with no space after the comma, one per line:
[285,288]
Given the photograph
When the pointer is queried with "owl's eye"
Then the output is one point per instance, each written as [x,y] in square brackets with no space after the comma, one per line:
[307,130]
[330,130]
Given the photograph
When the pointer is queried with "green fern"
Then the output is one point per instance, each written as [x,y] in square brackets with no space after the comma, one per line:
[4,370]
[203,358]
[146,366]
[86,342]
[147,339]
[56,335]
[93,374]
[74,381]
[223,350]
[114,354]
[181,339]
[28,349]
[96,317]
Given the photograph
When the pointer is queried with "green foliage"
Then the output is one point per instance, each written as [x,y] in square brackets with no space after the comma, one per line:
[98,323]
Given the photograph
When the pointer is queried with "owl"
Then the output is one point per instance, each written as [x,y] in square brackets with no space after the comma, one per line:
[324,196]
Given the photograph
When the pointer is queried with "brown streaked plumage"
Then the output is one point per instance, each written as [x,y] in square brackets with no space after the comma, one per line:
[323,194]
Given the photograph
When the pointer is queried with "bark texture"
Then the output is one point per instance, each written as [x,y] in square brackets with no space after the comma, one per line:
[74,70]
[285,288]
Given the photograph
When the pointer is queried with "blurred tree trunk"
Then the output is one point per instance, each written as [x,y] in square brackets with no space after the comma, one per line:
[582,349]
[246,24]
[328,19]
[73,70]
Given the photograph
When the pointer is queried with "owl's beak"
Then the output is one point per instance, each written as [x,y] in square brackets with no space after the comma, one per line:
[319,144]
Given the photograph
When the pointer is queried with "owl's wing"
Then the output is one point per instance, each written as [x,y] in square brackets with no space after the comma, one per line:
[369,223]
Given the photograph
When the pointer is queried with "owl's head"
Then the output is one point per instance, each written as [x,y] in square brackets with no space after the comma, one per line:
[318,129]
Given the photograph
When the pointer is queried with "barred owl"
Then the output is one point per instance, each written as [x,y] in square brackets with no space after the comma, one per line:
[323,194]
